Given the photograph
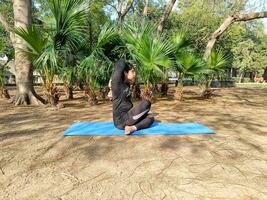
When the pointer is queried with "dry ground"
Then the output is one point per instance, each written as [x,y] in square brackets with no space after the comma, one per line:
[37,162]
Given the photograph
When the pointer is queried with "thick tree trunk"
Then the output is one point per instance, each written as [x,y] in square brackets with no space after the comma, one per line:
[227,22]
[23,67]
[145,9]
[165,15]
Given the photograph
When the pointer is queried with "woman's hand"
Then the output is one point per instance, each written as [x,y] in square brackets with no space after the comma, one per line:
[110,91]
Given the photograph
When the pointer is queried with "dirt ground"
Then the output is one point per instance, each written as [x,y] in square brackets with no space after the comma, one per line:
[37,162]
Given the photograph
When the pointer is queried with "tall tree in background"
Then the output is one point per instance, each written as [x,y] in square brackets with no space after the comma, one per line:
[227,22]
[25,93]
[145,9]
[165,15]
[122,8]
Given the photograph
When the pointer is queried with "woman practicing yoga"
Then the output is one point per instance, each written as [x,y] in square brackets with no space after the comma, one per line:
[125,116]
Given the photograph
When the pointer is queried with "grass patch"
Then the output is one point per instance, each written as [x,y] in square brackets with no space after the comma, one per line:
[251,85]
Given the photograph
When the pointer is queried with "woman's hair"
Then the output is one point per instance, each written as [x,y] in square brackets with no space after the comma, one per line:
[128,66]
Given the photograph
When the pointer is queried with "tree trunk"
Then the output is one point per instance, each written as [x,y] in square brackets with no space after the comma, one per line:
[227,22]
[265,74]
[136,91]
[147,92]
[4,93]
[91,96]
[178,95]
[164,89]
[165,15]
[145,9]
[52,94]
[68,91]
[103,92]
[123,8]
[25,93]
[207,91]
[241,77]
[155,88]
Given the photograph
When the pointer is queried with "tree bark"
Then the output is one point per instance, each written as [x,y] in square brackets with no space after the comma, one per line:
[165,15]
[68,91]
[25,93]
[4,23]
[123,8]
[227,22]
[265,74]
[145,9]
[4,93]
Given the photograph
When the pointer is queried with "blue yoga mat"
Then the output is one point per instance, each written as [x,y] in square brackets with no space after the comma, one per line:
[108,128]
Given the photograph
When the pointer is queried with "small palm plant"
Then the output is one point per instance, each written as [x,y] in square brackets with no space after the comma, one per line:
[3,91]
[69,76]
[95,69]
[187,64]
[61,33]
[150,51]
[217,62]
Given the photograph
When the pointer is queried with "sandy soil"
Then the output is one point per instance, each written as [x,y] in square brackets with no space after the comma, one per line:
[37,162]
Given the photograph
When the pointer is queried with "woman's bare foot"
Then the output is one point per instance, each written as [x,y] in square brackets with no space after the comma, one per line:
[130,129]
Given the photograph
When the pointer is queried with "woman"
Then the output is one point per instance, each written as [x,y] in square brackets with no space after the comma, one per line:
[125,116]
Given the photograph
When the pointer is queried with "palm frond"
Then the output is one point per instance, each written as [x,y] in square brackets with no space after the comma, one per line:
[217,60]
[108,34]
[70,17]
[189,64]
[35,40]
[147,49]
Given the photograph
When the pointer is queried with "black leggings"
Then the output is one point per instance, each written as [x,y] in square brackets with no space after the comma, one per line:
[139,116]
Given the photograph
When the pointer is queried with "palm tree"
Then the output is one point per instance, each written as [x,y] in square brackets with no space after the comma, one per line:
[95,69]
[180,44]
[68,75]
[49,45]
[150,51]
[217,63]
[187,64]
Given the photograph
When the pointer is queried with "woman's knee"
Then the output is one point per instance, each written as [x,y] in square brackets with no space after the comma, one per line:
[146,104]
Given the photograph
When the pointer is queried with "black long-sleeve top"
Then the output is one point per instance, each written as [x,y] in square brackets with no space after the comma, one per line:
[121,95]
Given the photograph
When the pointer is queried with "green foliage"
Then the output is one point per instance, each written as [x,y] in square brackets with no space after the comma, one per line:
[150,51]
[3,72]
[217,62]
[71,33]
[51,44]
[95,69]
[189,64]
[6,47]
[68,74]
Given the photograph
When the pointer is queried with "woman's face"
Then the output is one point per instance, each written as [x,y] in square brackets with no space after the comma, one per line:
[130,75]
